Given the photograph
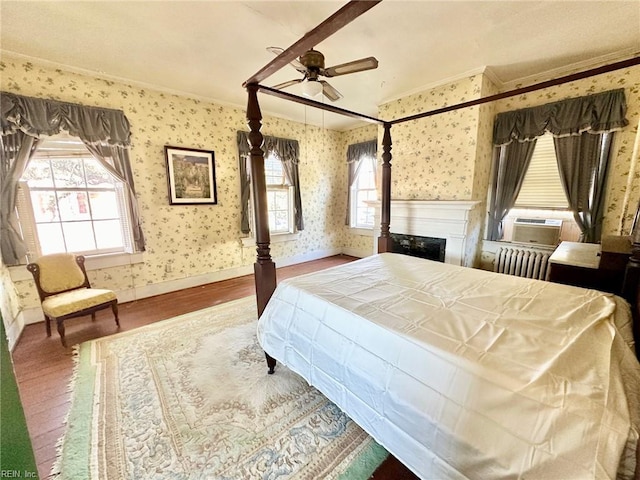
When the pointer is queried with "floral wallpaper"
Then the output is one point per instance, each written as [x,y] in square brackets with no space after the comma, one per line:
[9,304]
[433,158]
[200,239]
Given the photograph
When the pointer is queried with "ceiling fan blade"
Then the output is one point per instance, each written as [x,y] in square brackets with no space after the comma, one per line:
[368,63]
[280,86]
[330,92]
[294,63]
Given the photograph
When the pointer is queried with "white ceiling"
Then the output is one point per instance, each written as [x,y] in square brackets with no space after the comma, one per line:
[207,49]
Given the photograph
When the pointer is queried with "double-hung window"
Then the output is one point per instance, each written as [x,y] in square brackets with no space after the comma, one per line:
[69,202]
[279,196]
[361,162]
[363,190]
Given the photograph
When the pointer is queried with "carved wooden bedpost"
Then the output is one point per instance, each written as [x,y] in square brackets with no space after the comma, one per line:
[631,285]
[385,243]
[264,268]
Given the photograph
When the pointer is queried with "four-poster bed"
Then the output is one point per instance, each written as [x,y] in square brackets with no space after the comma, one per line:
[381,352]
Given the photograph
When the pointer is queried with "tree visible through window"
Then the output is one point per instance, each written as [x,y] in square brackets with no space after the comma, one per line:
[77,205]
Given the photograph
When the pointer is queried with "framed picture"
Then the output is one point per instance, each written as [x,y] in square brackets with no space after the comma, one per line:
[191,175]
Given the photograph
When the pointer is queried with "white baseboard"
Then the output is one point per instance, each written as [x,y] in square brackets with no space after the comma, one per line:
[35,315]
[357,252]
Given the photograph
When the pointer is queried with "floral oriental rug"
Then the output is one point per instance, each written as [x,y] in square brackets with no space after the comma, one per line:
[190,398]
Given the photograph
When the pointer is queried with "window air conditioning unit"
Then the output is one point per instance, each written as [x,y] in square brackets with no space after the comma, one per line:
[540,231]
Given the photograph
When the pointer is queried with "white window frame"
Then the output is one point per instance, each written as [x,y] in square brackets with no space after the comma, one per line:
[276,236]
[27,218]
[281,186]
[353,207]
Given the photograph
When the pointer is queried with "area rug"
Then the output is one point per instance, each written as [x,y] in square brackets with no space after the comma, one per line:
[190,398]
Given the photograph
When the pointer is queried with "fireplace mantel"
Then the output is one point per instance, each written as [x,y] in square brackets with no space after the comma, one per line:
[448,219]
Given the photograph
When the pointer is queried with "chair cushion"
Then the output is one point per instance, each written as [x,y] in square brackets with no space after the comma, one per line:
[76,300]
[59,272]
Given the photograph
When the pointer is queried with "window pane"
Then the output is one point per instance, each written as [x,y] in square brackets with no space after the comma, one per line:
[108,234]
[97,175]
[281,201]
[282,221]
[104,205]
[53,234]
[73,206]
[365,175]
[45,208]
[38,173]
[79,236]
[68,172]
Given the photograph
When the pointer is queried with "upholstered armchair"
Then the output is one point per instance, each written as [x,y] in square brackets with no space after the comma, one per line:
[65,292]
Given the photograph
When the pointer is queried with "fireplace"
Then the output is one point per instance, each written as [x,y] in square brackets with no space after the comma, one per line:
[447,220]
[424,247]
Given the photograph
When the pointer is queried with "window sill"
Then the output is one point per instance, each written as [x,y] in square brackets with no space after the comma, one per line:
[365,232]
[19,273]
[275,238]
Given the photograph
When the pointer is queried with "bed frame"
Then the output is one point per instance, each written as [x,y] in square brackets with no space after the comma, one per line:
[264,268]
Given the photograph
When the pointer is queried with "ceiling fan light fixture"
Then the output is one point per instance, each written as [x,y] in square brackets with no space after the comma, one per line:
[311,88]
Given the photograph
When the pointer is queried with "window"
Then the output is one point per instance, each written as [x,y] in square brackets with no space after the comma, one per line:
[541,187]
[69,202]
[363,190]
[542,197]
[279,196]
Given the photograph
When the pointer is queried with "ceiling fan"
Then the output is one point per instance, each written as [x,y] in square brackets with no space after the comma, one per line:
[311,65]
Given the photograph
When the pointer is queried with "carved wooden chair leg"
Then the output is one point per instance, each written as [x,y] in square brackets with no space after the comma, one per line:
[47,322]
[93,317]
[61,332]
[114,307]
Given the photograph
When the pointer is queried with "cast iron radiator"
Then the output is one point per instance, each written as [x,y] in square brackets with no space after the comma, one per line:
[522,262]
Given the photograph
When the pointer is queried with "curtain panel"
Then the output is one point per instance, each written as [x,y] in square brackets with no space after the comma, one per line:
[355,154]
[598,113]
[25,120]
[288,151]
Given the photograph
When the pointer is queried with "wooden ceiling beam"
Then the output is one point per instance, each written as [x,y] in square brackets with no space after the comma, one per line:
[331,25]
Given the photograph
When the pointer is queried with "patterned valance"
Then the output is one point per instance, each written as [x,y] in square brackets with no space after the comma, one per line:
[39,117]
[598,113]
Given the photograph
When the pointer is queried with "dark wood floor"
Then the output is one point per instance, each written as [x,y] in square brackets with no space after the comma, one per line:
[44,367]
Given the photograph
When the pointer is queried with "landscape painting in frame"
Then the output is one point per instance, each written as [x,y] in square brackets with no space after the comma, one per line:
[191,174]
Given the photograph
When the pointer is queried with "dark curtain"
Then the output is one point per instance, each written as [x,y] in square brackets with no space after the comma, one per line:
[17,149]
[356,153]
[582,129]
[26,119]
[583,163]
[116,160]
[288,151]
[510,166]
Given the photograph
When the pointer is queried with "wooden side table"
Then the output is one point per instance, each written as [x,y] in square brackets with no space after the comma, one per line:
[575,263]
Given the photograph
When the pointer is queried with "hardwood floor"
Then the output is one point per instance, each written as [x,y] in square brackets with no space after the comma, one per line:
[44,367]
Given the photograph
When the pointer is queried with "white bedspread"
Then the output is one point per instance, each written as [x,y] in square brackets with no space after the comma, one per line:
[463,373]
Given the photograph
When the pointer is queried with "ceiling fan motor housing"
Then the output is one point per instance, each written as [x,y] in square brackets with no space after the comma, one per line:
[312,59]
